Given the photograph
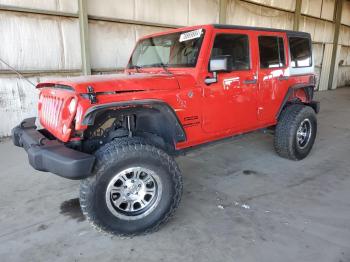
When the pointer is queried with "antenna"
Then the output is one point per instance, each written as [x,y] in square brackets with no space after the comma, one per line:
[18,73]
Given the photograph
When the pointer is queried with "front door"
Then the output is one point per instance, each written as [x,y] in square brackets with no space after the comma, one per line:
[230,103]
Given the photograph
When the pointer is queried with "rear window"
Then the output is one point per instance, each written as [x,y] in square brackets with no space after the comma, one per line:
[271,51]
[300,51]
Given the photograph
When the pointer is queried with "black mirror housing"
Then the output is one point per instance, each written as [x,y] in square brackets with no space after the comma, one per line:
[222,63]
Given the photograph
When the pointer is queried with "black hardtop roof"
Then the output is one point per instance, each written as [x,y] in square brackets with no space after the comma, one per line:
[289,32]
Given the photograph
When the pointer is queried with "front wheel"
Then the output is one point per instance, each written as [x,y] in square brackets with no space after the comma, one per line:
[295,132]
[135,189]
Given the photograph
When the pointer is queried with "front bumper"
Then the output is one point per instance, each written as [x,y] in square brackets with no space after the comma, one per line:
[51,155]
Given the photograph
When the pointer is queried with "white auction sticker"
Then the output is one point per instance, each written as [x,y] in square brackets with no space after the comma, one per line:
[190,35]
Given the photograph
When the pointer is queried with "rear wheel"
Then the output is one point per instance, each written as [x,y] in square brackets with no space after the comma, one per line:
[135,189]
[295,132]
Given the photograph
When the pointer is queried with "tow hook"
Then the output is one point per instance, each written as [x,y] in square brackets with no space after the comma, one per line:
[92,95]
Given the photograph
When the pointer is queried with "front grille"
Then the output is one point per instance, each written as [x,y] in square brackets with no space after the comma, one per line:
[51,108]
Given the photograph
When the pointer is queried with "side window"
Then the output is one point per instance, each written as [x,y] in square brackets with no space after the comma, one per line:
[300,51]
[281,51]
[235,45]
[271,50]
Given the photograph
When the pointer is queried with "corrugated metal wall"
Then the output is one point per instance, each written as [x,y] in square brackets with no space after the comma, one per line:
[42,38]
[343,74]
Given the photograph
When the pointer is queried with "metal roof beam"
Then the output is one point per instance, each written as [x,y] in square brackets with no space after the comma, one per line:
[297,15]
[223,11]
[36,11]
[337,23]
[84,37]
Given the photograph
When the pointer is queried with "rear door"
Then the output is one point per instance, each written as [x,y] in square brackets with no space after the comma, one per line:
[230,104]
[273,74]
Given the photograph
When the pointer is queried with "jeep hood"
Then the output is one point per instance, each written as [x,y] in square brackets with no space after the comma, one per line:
[116,83]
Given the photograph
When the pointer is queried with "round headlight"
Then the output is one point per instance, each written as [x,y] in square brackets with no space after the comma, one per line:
[72,105]
[64,129]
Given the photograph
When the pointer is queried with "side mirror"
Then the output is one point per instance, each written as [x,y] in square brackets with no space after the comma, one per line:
[222,63]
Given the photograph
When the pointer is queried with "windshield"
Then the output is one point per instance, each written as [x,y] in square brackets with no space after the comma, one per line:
[173,50]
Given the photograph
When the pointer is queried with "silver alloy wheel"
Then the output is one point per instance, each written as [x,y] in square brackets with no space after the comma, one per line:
[133,193]
[304,133]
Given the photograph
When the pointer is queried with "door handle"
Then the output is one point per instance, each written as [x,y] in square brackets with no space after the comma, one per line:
[249,81]
[283,78]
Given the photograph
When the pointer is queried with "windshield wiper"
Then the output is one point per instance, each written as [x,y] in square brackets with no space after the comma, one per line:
[138,68]
[164,66]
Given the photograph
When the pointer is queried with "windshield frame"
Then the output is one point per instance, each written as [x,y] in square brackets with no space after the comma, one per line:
[130,66]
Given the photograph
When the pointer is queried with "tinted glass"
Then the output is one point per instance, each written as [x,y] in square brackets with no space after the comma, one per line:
[234,45]
[281,51]
[168,50]
[271,51]
[300,51]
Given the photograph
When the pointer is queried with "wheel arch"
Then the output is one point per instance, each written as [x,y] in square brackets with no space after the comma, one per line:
[299,93]
[152,116]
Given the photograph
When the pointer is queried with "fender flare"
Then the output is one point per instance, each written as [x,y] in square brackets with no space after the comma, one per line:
[162,107]
[309,92]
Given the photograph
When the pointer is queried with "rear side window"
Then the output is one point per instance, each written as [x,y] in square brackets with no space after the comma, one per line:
[271,49]
[235,45]
[300,51]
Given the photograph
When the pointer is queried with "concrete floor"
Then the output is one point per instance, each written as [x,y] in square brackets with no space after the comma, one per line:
[241,202]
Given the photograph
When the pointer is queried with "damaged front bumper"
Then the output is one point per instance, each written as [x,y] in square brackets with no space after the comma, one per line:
[51,155]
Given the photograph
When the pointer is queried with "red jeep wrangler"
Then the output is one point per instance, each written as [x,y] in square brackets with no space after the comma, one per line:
[181,88]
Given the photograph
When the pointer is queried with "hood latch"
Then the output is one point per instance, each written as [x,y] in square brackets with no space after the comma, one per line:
[92,95]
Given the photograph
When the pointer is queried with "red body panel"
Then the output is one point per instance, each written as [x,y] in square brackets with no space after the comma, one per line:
[207,112]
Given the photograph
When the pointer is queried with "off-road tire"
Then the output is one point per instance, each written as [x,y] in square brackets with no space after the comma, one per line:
[286,142]
[121,154]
